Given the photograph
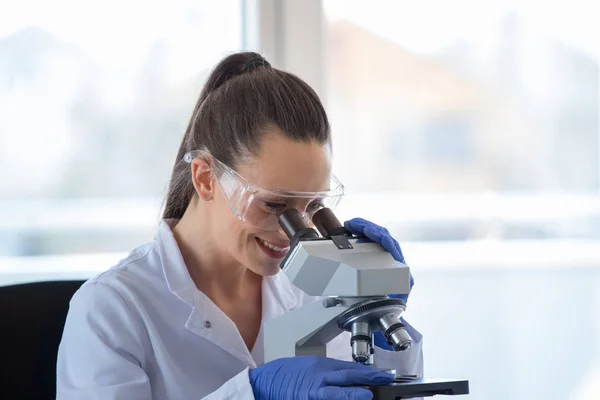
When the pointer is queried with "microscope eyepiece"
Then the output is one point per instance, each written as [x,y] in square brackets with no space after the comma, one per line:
[327,223]
[294,226]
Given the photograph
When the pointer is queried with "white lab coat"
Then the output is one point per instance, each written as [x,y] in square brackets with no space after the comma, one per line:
[142,330]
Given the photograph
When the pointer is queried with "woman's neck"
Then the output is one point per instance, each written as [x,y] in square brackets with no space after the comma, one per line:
[218,276]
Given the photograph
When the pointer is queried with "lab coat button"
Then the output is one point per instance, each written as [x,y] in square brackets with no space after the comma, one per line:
[207,324]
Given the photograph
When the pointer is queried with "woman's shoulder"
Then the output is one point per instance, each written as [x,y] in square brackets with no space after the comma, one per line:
[129,278]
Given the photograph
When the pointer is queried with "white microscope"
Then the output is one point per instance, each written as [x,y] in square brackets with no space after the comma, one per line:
[354,276]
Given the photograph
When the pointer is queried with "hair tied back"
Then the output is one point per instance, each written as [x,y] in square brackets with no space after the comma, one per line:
[255,63]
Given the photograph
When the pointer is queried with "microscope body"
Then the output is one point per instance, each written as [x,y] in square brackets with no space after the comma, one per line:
[353,277]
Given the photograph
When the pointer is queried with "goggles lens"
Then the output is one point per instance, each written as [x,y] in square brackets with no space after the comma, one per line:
[264,210]
[262,207]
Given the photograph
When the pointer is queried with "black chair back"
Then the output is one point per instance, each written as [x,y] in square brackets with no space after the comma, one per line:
[32,317]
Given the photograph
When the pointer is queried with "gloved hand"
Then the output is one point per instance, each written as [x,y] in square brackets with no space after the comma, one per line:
[381,235]
[314,378]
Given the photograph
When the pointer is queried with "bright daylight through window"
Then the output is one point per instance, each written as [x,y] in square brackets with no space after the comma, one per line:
[93,110]
[478,130]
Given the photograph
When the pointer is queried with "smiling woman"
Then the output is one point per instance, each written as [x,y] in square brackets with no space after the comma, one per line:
[274,134]
[248,213]
[258,144]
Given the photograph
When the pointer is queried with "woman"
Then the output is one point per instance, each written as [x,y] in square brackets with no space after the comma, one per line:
[181,317]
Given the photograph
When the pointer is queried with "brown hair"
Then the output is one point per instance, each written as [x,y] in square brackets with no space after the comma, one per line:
[243,98]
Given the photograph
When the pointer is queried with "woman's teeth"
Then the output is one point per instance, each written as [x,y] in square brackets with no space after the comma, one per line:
[272,246]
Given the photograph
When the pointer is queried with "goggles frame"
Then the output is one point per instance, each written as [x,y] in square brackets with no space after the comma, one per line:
[240,194]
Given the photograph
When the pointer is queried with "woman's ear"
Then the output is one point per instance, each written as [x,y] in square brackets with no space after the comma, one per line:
[202,178]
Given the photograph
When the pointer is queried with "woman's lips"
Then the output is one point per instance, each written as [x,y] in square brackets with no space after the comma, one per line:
[273,250]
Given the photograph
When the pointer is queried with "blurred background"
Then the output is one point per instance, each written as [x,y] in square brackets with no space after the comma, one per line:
[470,129]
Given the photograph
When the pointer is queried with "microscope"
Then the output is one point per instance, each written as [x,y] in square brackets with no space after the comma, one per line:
[353,276]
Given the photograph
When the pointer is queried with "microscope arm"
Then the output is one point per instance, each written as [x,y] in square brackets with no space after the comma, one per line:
[294,334]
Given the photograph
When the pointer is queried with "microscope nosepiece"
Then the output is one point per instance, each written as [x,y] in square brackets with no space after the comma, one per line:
[395,332]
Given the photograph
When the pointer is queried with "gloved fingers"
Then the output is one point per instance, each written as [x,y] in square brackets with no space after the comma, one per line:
[356,225]
[381,236]
[374,233]
[397,245]
[360,376]
[390,245]
[342,393]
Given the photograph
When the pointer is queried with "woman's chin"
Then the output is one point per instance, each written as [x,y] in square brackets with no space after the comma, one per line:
[265,269]
[263,266]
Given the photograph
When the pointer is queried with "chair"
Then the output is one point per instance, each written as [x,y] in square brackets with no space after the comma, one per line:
[32,317]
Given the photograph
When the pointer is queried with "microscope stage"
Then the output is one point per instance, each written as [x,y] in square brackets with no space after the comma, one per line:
[420,387]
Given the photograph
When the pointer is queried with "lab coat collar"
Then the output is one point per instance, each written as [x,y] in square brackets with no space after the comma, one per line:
[205,318]
[176,274]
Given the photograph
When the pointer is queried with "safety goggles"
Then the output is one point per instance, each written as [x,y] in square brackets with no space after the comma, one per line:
[262,207]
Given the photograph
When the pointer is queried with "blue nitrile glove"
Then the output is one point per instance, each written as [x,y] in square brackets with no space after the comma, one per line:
[381,235]
[314,378]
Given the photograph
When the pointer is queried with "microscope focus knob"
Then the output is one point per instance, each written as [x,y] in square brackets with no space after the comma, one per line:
[331,302]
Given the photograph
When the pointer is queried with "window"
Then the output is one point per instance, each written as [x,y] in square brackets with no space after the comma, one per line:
[470,130]
[447,140]
[94,98]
